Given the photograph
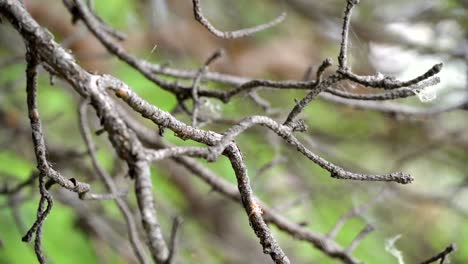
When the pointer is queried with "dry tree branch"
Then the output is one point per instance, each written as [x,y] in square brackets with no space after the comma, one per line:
[104,27]
[197,11]
[196,84]
[38,139]
[442,256]
[342,58]
[123,140]
[144,192]
[110,185]
[245,84]
[176,223]
[40,150]
[286,133]
[389,83]
[322,242]
[385,96]
[130,149]
[319,86]
[162,118]
[126,142]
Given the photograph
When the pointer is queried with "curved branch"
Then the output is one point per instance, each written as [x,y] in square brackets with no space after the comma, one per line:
[197,11]
[286,133]
[219,184]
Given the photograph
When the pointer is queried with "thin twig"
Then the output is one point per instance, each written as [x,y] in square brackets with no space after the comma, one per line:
[317,88]
[342,58]
[196,83]
[197,10]
[132,230]
[176,223]
[387,82]
[226,188]
[40,150]
[442,255]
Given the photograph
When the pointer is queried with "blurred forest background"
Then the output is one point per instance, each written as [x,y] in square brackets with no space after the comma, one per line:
[401,38]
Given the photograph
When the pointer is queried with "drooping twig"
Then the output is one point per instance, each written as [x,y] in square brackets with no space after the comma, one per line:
[40,151]
[197,10]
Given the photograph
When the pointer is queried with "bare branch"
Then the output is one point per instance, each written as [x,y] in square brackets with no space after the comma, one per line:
[197,10]
[390,95]
[388,83]
[40,150]
[442,256]
[176,223]
[144,190]
[196,83]
[219,184]
[130,147]
[110,185]
[286,133]
[319,86]
[342,58]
